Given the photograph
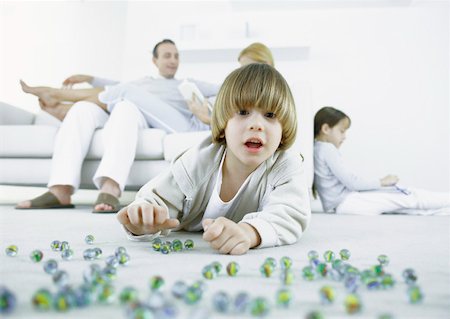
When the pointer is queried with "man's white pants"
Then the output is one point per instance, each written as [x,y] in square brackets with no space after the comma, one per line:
[419,202]
[120,136]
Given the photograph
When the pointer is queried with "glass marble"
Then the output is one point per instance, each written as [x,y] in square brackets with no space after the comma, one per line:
[7,300]
[179,289]
[208,272]
[285,262]
[337,264]
[139,311]
[315,314]
[98,252]
[112,261]
[387,281]
[156,244]
[322,269]
[84,295]
[64,245]
[50,266]
[165,249]
[383,260]
[91,274]
[199,284]
[217,266]
[177,245]
[124,259]
[283,297]
[42,300]
[345,254]
[312,254]
[36,256]
[221,302]
[109,273]
[287,277]
[266,269]
[328,256]
[233,268]
[60,278]
[89,239]
[106,293]
[351,284]
[308,273]
[327,295]
[67,254]
[271,261]
[415,294]
[241,302]
[373,283]
[409,275]
[335,275]
[352,304]
[11,250]
[120,250]
[89,254]
[377,270]
[259,307]
[189,244]
[64,299]
[156,282]
[55,245]
[192,295]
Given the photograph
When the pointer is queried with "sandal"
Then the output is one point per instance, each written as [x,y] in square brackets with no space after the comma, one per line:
[46,201]
[108,199]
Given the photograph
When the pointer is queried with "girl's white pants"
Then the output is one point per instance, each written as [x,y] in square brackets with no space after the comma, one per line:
[120,137]
[419,202]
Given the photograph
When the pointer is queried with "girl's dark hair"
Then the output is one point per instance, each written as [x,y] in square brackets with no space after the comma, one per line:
[328,115]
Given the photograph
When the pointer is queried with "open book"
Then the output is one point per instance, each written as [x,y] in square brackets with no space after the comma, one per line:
[191,91]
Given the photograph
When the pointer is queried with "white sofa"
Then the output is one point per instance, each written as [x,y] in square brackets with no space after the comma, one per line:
[27,140]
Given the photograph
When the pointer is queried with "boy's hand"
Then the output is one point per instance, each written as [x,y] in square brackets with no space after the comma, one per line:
[145,218]
[228,237]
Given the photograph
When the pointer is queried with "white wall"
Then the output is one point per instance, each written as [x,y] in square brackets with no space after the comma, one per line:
[385,63]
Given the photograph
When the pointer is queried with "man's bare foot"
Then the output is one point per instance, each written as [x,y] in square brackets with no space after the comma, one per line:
[59,111]
[62,192]
[44,93]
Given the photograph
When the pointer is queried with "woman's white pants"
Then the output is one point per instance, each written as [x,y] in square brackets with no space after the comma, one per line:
[120,137]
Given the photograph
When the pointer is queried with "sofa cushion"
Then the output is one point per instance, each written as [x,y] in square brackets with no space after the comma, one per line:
[177,143]
[37,141]
[27,140]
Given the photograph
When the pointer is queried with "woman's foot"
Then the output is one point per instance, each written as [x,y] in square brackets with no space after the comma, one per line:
[62,193]
[59,111]
[44,93]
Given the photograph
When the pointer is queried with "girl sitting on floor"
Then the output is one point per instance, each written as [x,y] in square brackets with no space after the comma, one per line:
[341,191]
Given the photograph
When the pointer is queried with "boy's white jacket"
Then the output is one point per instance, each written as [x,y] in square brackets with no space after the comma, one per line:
[275,202]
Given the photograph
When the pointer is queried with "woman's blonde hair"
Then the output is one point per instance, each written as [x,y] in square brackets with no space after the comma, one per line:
[255,86]
[258,52]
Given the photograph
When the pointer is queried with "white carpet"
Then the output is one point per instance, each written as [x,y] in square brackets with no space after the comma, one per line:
[421,243]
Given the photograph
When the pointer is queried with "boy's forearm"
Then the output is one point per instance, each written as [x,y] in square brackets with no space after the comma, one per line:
[255,239]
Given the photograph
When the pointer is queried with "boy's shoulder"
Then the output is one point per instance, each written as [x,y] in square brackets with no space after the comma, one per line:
[285,162]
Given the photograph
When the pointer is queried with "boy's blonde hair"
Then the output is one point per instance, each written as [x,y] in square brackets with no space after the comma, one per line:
[258,52]
[255,86]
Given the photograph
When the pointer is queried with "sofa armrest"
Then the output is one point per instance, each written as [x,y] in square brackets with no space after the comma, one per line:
[12,115]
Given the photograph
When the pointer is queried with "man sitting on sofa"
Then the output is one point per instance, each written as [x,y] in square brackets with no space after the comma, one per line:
[123,110]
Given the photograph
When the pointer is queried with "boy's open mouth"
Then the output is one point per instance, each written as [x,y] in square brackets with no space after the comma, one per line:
[254,143]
